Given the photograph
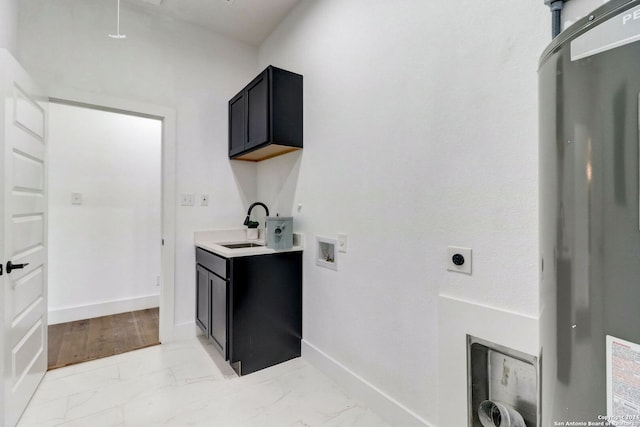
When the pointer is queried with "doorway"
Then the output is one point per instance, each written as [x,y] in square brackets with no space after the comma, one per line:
[105,229]
[84,340]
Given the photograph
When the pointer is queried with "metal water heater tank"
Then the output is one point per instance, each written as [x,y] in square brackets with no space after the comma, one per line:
[589,224]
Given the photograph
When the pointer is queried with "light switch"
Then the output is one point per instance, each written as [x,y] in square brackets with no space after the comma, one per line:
[204,200]
[186,199]
[76,198]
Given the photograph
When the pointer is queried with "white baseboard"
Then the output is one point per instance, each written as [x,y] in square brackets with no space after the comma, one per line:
[357,387]
[70,314]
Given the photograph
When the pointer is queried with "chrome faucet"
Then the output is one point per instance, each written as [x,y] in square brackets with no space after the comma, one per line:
[246,220]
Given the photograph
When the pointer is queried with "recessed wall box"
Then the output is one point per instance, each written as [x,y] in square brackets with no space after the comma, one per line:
[326,253]
[503,376]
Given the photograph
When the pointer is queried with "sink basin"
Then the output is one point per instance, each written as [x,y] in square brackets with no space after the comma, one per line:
[242,245]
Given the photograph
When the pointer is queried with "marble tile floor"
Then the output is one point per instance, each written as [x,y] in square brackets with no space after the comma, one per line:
[188,384]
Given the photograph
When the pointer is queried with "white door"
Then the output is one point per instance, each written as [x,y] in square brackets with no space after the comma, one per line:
[23,238]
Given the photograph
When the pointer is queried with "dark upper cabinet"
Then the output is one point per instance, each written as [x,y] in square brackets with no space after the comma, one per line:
[265,118]
[257,102]
[236,124]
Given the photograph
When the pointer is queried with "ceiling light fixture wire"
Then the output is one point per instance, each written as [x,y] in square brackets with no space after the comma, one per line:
[118,35]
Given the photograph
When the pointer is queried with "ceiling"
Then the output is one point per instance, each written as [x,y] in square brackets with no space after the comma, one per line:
[249,21]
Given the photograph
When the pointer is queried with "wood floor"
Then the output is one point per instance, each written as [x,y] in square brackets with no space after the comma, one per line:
[84,340]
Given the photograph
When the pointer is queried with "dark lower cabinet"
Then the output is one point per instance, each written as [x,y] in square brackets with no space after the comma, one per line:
[202,298]
[218,310]
[254,310]
[212,298]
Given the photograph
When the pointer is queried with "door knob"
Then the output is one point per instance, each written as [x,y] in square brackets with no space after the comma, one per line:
[11,266]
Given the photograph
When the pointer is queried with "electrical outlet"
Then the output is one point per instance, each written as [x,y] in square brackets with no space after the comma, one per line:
[342,242]
[186,199]
[459,259]
[204,200]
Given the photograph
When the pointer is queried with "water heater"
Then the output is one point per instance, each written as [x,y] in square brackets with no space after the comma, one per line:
[589,221]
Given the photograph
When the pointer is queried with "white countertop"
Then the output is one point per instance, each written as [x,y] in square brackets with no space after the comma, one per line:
[212,241]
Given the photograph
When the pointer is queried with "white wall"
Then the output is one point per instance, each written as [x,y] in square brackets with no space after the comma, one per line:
[8,24]
[104,254]
[64,43]
[420,132]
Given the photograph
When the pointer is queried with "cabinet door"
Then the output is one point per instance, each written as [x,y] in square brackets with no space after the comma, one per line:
[257,94]
[218,306]
[237,124]
[202,299]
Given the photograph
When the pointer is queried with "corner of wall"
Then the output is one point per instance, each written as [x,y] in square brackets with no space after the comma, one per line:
[183,331]
[9,25]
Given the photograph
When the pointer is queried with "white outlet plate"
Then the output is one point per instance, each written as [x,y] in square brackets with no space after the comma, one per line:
[204,200]
[76,198]
[342,243]
[186,199]
[457,250]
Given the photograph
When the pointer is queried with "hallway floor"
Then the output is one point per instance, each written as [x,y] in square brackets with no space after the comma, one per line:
[188,383]
[89,339]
